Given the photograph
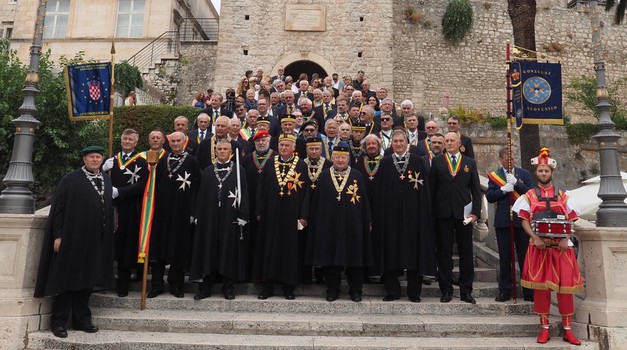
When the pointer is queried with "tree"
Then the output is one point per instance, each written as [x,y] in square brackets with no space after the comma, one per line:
[620,9]
[523,16]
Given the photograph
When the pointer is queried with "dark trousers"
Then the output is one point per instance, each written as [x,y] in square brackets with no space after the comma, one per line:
[176,276]
[521,242]
[76,302]
[393,285]
[333,278]
[207,282]
[452,230]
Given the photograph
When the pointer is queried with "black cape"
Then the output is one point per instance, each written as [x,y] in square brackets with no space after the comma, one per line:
[403,224]
[206,156]
[85,226]
[276,251]
[217,244]
[130,183]
[369,175]
[339,231]
[171,236]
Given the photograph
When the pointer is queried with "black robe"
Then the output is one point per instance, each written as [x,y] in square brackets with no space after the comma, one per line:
[130,183]
[85,225]
[339,231]
[403,222]
[171,235]
[276,251]
[217,244]
[253,175]
[369,176]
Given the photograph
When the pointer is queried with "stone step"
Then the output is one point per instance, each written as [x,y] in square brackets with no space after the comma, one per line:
[316,324]
[118,340]
[480,289]
[315,305]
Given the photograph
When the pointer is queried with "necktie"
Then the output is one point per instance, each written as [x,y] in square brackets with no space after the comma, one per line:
[216,114]
[125,157]
[202,135]
[453,161]
[330,146]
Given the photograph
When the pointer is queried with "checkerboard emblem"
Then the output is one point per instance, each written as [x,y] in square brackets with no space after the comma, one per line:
[94,90]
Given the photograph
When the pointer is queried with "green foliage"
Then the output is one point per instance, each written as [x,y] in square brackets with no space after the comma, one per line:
[580,132]
[468,114]
[58,140]
[498,122]
[583,91]
[127,78]
[144,119]
[457,20]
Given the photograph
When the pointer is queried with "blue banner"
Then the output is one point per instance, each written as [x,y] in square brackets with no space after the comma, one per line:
[89,90]
[517,97]
[541,91]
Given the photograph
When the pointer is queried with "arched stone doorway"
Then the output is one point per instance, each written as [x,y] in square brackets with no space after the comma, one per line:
[296,68]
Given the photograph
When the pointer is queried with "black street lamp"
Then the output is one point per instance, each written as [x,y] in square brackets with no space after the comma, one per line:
[17,198]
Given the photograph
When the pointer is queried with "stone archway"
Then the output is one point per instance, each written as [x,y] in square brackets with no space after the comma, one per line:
[296,68]
[304,62]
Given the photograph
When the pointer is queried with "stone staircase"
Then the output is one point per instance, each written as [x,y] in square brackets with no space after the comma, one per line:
[310,322]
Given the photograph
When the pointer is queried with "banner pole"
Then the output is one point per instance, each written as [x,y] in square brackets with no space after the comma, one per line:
[111,98]
[509,170]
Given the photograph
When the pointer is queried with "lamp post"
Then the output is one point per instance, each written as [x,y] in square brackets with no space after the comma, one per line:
[17,198]
[613,210]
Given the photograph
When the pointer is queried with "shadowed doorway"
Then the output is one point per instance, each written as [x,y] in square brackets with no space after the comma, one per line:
[295,68]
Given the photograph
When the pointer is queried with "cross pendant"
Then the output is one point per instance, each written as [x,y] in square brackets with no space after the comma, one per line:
[281,193]
[371,177]
[313,186]
[260,171]
[219,185]
[339,196]
[402,177]
[170,175]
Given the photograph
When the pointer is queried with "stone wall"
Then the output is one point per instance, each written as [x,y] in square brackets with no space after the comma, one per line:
[433,73]
[196,70]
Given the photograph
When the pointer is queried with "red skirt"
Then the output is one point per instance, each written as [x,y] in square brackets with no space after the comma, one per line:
[551,269]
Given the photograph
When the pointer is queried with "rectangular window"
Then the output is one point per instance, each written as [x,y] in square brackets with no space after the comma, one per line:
[130,21]
[57,13]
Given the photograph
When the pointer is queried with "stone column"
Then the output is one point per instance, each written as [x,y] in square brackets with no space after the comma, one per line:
[21,237]
[602,314]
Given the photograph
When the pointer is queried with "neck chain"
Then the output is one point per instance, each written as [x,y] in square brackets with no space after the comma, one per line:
[314,170]
[178,161]
[372,171]
[401,170]
[218,171]
[92,177]
[358,153]
[283,177]
[260,160]
[339,178]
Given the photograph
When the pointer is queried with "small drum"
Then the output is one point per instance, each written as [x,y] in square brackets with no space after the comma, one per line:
[552,228]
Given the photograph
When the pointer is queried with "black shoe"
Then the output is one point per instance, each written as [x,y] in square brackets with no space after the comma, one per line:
[503,297]
[122,292]
[390,297]
[229,295]
[331,297]
[90,328]
[290,296]
[446,297]
[426,282]
[414,299]
[178,293]
[528,298]
[467,297]
[264,295]
[202,294]
[154,292]
[356,298]
[59,331]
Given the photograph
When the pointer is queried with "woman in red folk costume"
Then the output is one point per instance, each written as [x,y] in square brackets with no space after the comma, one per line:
[550,263]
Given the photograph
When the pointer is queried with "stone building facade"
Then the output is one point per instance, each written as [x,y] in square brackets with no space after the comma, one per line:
[412,59]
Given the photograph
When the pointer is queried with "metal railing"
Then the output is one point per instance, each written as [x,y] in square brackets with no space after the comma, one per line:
[165,45]
[198,29]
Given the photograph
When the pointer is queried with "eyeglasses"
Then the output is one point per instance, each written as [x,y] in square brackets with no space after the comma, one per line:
[431,127]
[386,119]
[452,123]
[310,130]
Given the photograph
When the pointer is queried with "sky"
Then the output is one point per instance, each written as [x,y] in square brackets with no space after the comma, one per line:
[216,4]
